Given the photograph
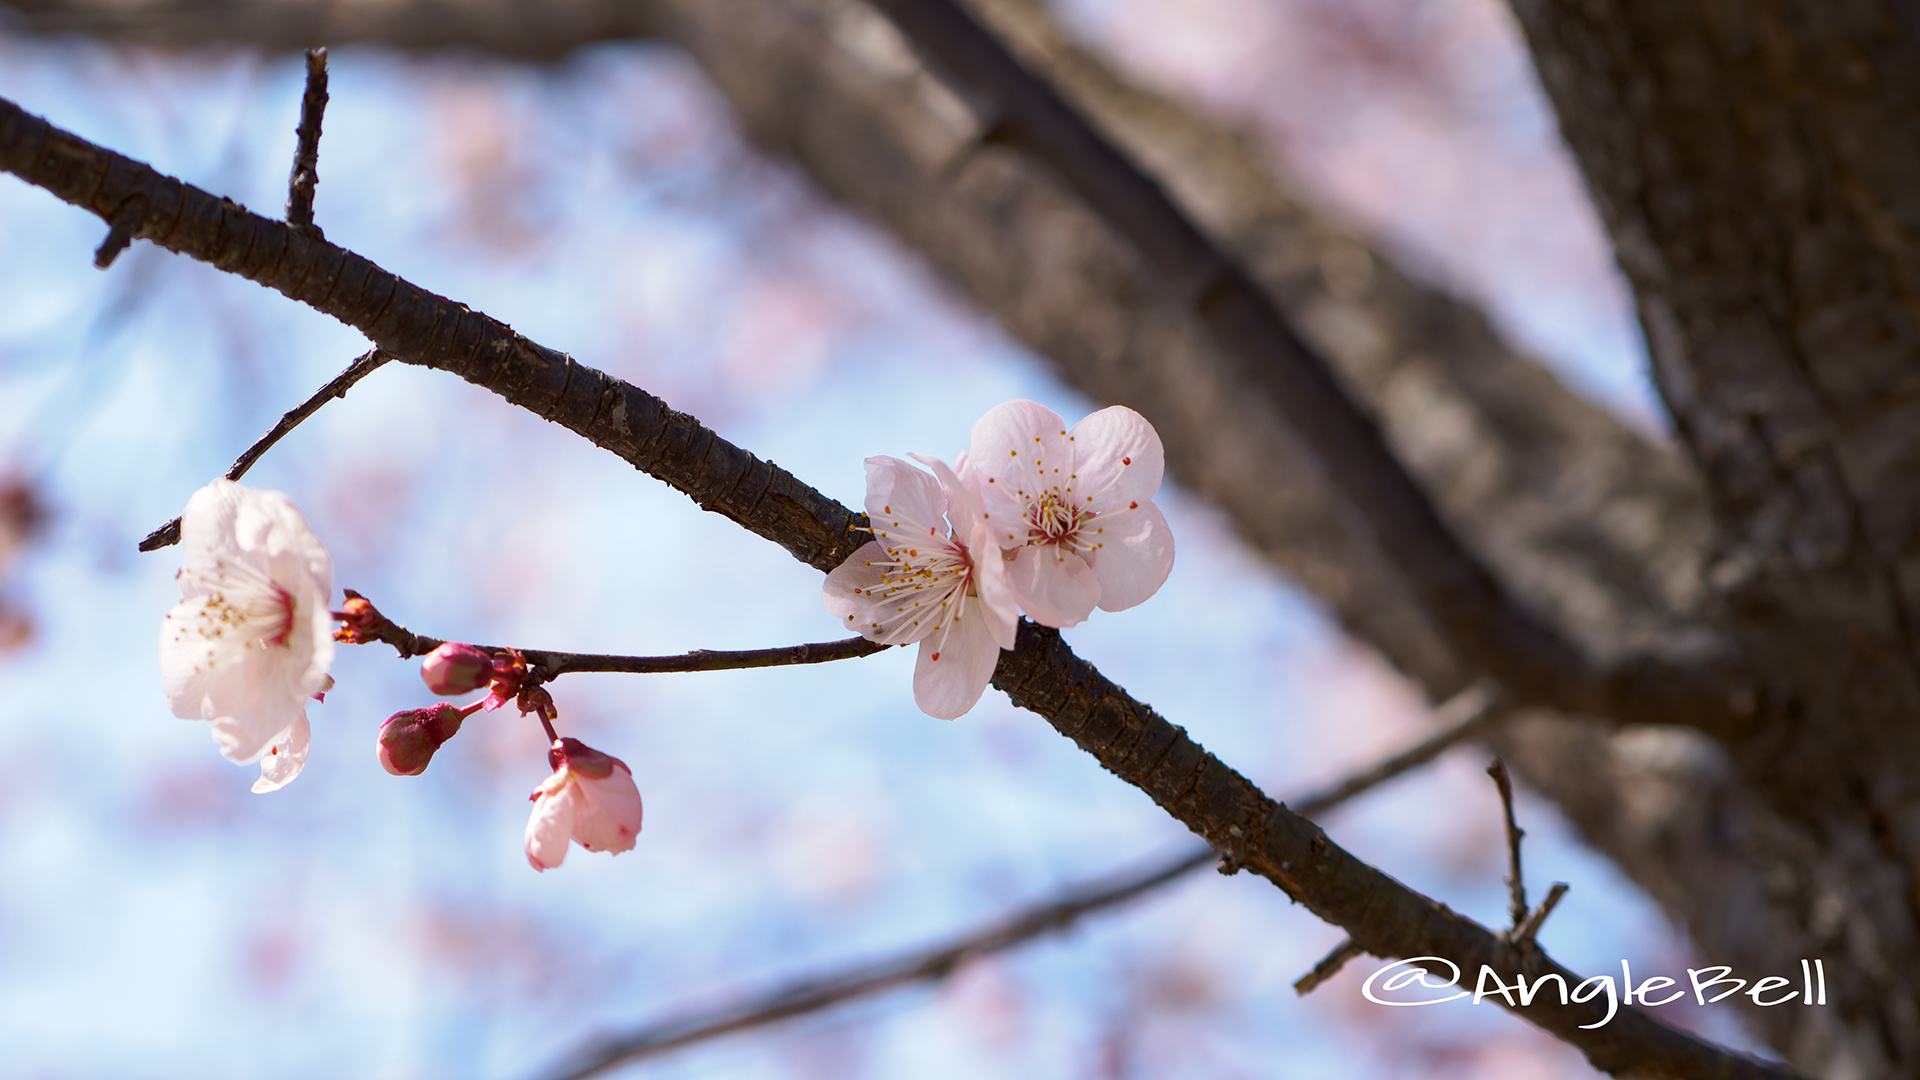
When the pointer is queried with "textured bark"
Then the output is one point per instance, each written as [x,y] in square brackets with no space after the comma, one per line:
[1757,167]
[537,30]
[1040,673]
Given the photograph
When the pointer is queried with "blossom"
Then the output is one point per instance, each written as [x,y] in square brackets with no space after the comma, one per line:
[249,643]
[590,799]
[1075,506]
[932,575]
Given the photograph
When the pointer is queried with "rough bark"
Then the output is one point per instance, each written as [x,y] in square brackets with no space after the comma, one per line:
[1757,167]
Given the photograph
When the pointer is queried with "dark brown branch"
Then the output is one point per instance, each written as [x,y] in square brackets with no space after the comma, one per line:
[1516,884]
[1040,673]
[169,533]
[1489,627]
[306,150]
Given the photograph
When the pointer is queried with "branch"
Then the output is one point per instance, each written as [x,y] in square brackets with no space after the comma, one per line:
[306,152]
[508,28]
[1040,673]
[1492,630]
[169,534]
[367,626]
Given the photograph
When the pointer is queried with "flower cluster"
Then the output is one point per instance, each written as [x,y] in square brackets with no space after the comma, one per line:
[1035,517]
[250,642]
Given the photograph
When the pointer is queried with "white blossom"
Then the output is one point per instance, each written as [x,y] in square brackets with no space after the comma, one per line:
[251,639]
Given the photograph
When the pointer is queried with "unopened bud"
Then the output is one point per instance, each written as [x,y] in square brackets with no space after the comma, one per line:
[360,622]
[408,739]
[535,699]
[456,668]
[509,672]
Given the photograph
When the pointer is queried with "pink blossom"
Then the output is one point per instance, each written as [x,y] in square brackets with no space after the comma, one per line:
[920,580]
[590,799]
[250,641]
[1076,507]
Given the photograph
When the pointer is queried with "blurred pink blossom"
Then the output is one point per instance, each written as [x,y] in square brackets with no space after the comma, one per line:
[250,641]
[590,798]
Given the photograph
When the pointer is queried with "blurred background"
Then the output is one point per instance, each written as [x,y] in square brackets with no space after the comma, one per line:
[157,919]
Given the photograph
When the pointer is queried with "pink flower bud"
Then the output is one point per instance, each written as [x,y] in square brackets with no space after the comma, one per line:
[455,668]
[360,622]
[590,799]
[509,672]
[409,739]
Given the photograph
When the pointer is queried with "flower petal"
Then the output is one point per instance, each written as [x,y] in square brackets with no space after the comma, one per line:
[1054,586]
[901,498]
[1118,459]
[608,814]
[1018,449]
[1134,558]
[993,592]
[550,828]
[951,674]
[285,759]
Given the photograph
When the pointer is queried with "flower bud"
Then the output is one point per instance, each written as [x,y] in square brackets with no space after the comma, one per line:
[408,739]
[455,668]
[360,622]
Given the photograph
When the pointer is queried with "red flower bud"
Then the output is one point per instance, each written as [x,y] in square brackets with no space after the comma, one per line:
[409,739]
[455,668]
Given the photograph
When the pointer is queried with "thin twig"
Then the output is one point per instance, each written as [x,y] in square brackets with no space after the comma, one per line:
[120,232]
[1464,714]
[169,533]
[1516,885]
[1328,967]
[1528,930]
[306,150]
[367,626]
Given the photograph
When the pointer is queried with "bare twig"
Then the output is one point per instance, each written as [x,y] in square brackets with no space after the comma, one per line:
[543,665]
[1516,885]
[120,231]
[1040,672]
[169,533]
[1528,930]
[1328,967]
[306,151]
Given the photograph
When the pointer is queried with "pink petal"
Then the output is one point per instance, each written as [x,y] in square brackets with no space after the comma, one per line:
[550,828]
[945,688]
[284,760]
[1011,445]
[994,592]
[607,817]
[1054,585]
[899,493]
[1134,558]
[1118,458]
